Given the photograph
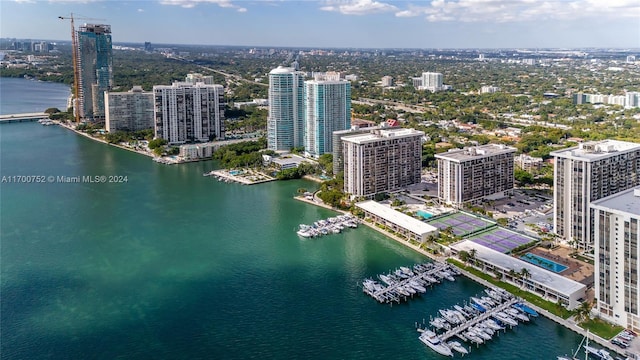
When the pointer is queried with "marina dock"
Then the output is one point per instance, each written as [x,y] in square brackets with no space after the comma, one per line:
[476,322]
[332,225]
[399,289]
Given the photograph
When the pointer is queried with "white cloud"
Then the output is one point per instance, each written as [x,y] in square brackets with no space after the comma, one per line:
[359,7]
[521,10]
[140,10]
[193,3]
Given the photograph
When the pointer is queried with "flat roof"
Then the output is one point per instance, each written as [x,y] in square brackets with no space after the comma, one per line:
[414,225]
[383,134]
[475,152]
[596,150]
[627,201]
[551,280]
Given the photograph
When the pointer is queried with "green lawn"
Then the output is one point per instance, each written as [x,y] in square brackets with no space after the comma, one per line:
[601,328]
[531,298]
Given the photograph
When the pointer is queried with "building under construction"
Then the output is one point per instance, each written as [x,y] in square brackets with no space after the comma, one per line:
[95,70]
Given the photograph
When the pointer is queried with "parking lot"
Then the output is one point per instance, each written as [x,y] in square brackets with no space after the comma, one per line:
[524,208]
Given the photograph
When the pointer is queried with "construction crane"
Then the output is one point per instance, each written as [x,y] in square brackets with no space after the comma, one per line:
[76,63]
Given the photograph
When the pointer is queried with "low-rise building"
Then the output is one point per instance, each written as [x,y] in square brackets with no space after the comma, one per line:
[546,284]
[396,221]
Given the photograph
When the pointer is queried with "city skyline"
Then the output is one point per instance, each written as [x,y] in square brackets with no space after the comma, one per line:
[354,23]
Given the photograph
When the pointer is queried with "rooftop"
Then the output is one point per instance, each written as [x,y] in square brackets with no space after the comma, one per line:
[475,152]
[627,201]
[541,276]
[382,134]
[596,150]
[414,225]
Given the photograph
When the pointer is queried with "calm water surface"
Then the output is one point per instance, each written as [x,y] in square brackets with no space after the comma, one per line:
[174,265]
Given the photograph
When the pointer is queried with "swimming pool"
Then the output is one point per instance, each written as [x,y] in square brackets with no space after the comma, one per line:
[543,262]
[424,214]
[235,172]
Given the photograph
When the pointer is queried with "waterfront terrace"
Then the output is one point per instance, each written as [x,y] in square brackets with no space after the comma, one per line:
[402,224]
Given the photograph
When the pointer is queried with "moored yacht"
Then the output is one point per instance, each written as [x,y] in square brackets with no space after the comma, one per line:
[458,347]
[432,340]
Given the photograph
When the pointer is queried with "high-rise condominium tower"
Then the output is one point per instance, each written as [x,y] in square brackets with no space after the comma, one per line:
[327,109]
[95,66]
[187,112]
[585,173]
[476,173]
[381,161]
[617,251]
[285,122]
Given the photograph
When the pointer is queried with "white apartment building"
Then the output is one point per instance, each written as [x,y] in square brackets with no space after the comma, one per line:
[196,78]
[528,163]
[387,81]
[476,173]
[588,172]
[285,122]
[489,89]
[432,81]
[617,250]
[128,111]
[381,161]
[185,112]
[327,108]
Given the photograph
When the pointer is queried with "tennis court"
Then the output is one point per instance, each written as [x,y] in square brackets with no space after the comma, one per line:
[500,239]
[461,223]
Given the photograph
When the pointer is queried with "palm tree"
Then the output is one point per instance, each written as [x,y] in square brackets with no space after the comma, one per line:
[525,273]
[472,253]
[583,312]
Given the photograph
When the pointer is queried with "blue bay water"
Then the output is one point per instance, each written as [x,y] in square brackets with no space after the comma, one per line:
[175,265]
[18,95]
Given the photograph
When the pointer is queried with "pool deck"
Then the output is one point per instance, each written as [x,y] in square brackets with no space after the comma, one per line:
[247,177]
[576,270]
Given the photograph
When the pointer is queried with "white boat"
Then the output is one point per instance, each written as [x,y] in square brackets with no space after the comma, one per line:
[600,353]
[431,279]
[440,323]
[407,271]
[446,275]
[489,301]
[449,316]
[458,347]
[432,340]
[419,288]
[473,337]
[494,295]
[461,311]
[387,279]
[492,324]
[305,233]
[480,333]
[504,318]
[516,314]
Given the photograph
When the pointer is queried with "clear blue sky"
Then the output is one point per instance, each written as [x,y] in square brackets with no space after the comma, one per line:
[340,23]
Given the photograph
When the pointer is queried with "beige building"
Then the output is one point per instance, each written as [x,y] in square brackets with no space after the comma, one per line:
[617,250]
[528,163]
[475,173]
[128,111]
[588,172]
[381,161]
